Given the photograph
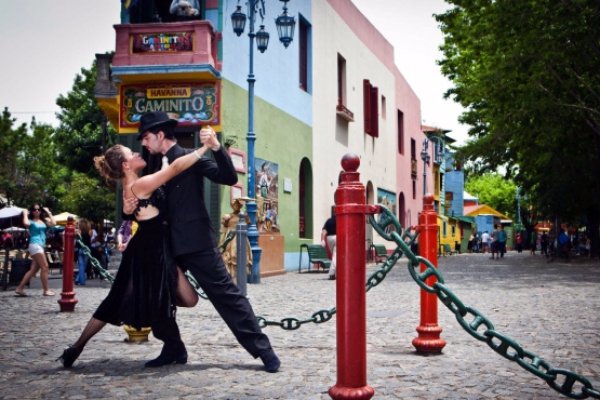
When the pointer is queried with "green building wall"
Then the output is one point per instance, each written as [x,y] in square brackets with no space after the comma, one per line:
[280,138]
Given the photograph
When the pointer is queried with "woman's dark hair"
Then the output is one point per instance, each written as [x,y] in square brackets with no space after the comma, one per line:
[110,165]
[36,206]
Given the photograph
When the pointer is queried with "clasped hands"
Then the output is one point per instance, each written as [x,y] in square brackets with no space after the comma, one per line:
[208,137]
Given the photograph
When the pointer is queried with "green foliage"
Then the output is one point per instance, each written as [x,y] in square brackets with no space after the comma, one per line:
[11,146]
[88,198]
[527,73]
[54,167]
[81,134]
[495,191]
[29,172]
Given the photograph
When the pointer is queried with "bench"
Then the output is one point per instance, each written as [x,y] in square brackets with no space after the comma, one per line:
[447,250]
[380,252]
[377,252]
[317,255]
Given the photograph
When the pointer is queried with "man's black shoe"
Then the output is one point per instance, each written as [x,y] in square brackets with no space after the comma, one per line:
[270,360]
[166,359]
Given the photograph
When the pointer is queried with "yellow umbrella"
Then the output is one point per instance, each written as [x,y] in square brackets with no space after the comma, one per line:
[61,219]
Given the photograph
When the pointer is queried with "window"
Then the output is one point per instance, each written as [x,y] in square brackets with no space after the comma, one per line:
[341,109]
[414,189]
[304,56]
[341,80]
[383,103]
[400,132]
[370,108]
[413,149]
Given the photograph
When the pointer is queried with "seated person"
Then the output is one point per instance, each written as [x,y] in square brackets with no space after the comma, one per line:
[185,9]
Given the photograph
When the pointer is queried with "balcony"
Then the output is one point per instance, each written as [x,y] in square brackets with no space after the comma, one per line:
[166,52]
[343,112]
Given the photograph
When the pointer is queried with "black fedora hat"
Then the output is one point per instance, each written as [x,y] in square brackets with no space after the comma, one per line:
[152,120]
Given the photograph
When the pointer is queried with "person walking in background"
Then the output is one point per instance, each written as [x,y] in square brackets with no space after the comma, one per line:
[41,219]
[471,242]
[501,240]
[494,242]
[519,242]
[328,240]
[194,245]
[84,229]
[485,242]
[544,242]
[148,285]
[533,242]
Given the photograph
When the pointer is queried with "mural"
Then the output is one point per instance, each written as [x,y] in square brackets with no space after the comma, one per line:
[266,176]
[388,200]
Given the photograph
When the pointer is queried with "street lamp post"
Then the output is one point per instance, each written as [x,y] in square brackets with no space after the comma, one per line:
[518,198]
[425,157]
[285,28]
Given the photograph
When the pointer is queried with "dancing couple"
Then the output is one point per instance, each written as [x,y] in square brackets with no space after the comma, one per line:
[174,235]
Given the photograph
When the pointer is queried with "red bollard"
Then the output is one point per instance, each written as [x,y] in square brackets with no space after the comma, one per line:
[428,340]
[67,301]
[351,321]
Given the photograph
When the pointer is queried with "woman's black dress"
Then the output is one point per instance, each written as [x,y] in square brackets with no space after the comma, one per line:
[144,289]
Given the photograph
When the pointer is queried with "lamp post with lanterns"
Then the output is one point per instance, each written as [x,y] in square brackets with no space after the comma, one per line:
[425,157]
[285,28]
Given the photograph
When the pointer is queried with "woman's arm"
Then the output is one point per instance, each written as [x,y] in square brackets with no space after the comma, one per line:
[49,220]
[26,222]
[144,186]
[149,183]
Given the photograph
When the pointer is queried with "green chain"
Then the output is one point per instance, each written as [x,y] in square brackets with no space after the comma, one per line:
[95,263]
[386,222]
[479,326]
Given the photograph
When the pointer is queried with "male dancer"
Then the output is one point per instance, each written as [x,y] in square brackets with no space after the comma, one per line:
[194,246]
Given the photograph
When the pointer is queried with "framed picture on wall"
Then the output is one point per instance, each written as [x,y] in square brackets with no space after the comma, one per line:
[237,191]
[238,157]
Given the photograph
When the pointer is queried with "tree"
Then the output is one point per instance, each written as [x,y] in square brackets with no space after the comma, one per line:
[492,189]
[40,177]
[11,146]
[88,198]
[526,71]
[83,132]
[29,172]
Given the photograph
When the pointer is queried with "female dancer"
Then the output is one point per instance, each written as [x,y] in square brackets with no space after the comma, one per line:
[41,219]
[148,285]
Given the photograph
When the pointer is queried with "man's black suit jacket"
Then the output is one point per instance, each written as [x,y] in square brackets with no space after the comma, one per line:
[189,222]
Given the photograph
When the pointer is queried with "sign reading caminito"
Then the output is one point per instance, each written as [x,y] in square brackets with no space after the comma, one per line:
[191,104]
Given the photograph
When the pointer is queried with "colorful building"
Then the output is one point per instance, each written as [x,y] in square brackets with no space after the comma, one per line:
[334,90]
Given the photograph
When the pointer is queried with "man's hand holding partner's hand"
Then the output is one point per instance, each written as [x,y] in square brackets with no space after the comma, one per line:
[208,137]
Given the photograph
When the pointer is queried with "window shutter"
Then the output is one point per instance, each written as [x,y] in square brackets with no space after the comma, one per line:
[367,105]
[374,111]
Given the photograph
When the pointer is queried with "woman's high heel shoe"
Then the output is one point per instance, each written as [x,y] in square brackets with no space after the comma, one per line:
[69,356]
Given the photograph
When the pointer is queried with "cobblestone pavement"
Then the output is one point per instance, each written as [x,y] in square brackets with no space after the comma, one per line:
[549,309]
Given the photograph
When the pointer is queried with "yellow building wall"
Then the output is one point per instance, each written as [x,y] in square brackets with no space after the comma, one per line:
[448,232]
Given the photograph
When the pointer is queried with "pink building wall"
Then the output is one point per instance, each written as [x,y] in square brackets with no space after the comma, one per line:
[405,100]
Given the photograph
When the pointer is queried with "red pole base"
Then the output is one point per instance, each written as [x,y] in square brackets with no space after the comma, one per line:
[359,393]
[429,341]
[67,302]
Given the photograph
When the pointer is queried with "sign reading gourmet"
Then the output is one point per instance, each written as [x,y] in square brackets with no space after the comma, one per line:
[192,104]
[162,42]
